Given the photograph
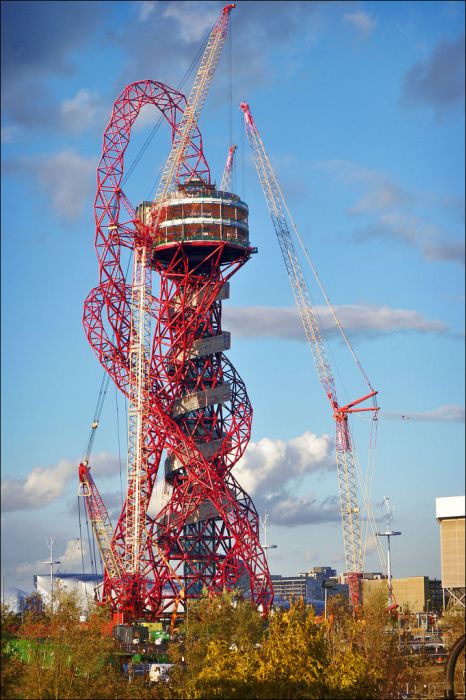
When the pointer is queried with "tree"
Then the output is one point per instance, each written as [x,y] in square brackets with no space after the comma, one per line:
[65,658]
[216,654]
[11,666]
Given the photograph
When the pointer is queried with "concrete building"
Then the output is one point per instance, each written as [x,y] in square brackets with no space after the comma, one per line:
[417,594]
[450,514]
[308,585]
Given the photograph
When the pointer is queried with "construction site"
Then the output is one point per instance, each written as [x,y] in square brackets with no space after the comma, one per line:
[188,529]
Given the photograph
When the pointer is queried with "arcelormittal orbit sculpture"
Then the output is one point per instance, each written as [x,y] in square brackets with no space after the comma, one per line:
[186,401]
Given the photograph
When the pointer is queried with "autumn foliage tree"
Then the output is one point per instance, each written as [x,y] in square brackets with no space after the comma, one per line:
[227,650]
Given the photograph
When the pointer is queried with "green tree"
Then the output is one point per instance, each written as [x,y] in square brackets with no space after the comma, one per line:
[67,658]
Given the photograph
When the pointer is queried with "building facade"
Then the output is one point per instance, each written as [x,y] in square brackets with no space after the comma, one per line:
[450,514]
[308,585]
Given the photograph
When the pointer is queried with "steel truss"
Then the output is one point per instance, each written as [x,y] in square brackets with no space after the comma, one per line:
[205,531]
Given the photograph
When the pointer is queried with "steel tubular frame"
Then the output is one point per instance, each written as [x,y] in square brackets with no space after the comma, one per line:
[206,530]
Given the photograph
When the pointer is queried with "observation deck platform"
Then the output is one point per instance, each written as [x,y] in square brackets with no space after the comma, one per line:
[199,217]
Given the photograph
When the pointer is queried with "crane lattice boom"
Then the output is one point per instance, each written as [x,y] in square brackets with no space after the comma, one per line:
[226,178]
[171,172]
[344,450]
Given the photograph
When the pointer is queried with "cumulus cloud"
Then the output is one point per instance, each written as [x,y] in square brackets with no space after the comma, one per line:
[80,112]
[30,57]
[193,24]
[268,464]
[271,470]
[43,485]
[290,511]
[437,82]
[361,22]
[356,319]
[67,178]
[256,33]
[448,413]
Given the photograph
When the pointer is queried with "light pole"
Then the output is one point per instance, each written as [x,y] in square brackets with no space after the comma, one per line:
[328,583]
[389,533]
[51,563]
[266,546]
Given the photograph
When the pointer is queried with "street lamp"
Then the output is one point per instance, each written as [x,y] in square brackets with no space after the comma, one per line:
[389,533]
[51,563]
[326,585]
[266,546]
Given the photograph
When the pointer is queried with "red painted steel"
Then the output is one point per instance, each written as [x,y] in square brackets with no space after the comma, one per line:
[206,531]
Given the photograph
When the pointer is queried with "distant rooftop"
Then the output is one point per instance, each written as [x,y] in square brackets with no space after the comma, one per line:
[449,507]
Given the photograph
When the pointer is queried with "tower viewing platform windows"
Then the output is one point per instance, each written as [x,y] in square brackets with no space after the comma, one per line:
[199,212]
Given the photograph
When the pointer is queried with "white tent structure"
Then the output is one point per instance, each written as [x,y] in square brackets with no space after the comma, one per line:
[84,584]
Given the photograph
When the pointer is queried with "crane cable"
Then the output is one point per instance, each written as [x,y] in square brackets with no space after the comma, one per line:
[322,288]
[365,484]
[160,119]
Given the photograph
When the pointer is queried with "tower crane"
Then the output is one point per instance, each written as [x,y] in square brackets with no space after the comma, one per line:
[123,553]
[345,461]
[226,178]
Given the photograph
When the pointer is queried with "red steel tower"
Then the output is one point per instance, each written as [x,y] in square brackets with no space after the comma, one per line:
[192,526]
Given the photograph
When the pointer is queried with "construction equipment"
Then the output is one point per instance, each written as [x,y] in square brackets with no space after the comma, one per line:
[184,396]
[226,178]
[283,222]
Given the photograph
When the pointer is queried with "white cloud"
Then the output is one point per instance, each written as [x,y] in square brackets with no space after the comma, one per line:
[362,22]
[195,19]
[448,413]
[43,485]
[69,179]
[146,8]
[271,471]
[70,560]
[268,464]
[391,209]
[277,322]
[80,112]
[290,511]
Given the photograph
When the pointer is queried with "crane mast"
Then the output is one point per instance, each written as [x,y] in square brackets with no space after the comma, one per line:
[226,178]
[140,338]
[171,172]
[344,449]
[124,566]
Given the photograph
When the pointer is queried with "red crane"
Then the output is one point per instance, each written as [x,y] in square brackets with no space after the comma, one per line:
[165,354]
[226,178]
[282,222]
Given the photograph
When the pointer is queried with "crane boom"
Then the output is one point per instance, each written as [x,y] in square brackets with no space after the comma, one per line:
[193,109]
[100,522]
[344,450]
[140,334]
[226,178]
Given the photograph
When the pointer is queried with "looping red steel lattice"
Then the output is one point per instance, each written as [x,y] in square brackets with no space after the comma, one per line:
[201,530]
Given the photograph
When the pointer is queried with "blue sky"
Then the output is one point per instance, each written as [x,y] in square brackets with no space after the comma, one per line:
[361,108]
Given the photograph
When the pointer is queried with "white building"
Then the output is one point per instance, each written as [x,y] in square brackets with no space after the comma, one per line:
[450,514]
[84,584]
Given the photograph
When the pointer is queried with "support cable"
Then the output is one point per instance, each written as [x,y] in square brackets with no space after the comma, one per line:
[160,119]
[82,548]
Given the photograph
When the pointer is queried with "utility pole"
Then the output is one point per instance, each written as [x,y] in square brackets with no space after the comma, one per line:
[389,533]
[51,563]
